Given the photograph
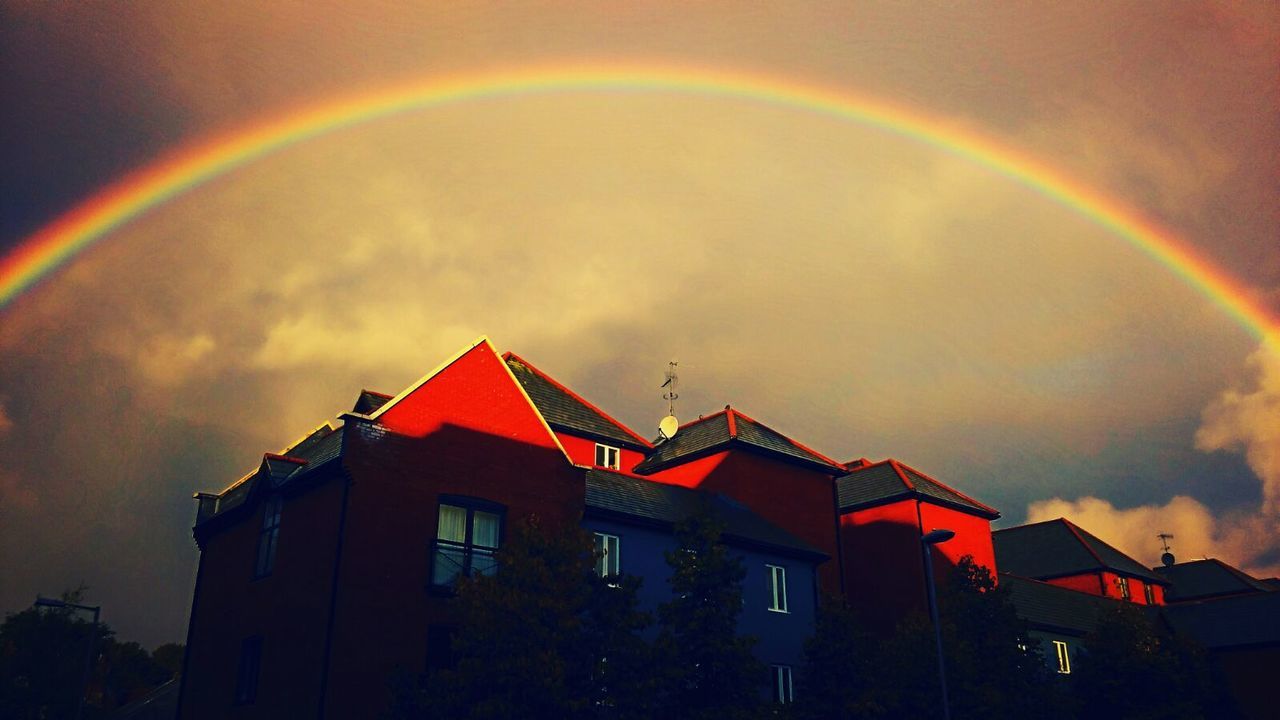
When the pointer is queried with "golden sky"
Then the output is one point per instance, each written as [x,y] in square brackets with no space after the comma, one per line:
[864,293]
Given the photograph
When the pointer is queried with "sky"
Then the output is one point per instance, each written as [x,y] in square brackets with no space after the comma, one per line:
[866,293]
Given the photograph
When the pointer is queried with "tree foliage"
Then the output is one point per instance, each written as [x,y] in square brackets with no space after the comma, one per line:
[43,657]
[1136,668]
[993,669]
[544,636]
[710,669]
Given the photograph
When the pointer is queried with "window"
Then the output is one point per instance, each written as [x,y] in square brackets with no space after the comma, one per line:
[782,690]
[1064,660]
[1150,591]
[608,564]
[777,588]
[467,537]
[1123,582]
[606,456]
[247,673]
[268,537]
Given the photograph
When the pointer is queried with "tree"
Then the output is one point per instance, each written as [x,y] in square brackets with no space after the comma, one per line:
[993,669]
[544,636]
[43,652]
[1134,667]
[836,682]
[710,670]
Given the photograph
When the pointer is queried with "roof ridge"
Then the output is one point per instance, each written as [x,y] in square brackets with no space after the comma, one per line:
[702,418]
[1026,525]
[508,356]
[897,468]
[947,487]
[790,439]
[285,458]
[733,423]
[1076,532]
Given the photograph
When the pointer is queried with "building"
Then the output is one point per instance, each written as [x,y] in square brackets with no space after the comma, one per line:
[329,567]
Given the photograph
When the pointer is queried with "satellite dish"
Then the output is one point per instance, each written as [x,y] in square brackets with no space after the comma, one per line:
[668,426]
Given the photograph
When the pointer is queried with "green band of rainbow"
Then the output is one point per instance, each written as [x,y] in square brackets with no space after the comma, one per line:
[39,255]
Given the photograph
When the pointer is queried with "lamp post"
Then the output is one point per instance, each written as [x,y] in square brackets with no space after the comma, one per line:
[931,538]
[93,636]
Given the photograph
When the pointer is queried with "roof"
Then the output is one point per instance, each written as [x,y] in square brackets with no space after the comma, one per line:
[566,411]
[1058,548]
[1231,621]
[313,451]
[872,484]
[369,402]
[1047,606]
[730,428]
[1206,579]
[617,495]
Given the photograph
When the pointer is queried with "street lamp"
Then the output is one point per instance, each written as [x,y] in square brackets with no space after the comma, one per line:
[93,636]
[931,538]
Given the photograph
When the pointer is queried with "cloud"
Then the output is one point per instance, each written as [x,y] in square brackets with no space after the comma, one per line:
[1249,541]
[1239,418]
[1249,419]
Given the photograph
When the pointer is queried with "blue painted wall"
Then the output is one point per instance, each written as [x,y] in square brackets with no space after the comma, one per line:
[780,636]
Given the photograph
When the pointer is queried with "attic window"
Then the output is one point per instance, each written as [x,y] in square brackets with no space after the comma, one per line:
[607,456]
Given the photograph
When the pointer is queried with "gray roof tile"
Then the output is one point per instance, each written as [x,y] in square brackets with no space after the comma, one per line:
[1057,548]
[886,481]
[1047,606]
[1207,578]
[730,428]
[564,410]
[618,494]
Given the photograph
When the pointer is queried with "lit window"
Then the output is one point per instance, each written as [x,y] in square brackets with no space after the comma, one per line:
[1150,591]
[606,456]
[1064,660]
[782,689]
[247,673]
[268,536]
[608,562]
[1123,582]
[466,541]
[777,588]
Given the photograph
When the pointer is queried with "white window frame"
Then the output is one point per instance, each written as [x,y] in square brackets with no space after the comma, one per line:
[604,561]
[1123,583]
[783,687]
[608,450]
[1149,593]
[777,588]
[1064,657]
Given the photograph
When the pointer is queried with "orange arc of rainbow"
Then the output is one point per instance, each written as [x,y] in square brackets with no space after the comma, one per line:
[39,255]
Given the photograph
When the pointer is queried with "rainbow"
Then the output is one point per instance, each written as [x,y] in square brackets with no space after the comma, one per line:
[187,167]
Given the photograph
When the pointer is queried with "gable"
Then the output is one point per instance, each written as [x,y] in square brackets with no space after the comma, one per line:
[476,391]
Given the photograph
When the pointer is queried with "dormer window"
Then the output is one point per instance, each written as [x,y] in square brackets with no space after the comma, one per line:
[607,456]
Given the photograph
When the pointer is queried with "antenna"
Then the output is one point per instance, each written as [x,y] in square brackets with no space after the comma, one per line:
[667,428]
[672,380]
[1167,557]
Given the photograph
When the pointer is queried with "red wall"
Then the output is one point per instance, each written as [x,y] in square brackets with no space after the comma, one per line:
[384,603]
[973,535]
[795,499]
[467,431]
[1086,583]
[288,608]
[883,562]
[583,452]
